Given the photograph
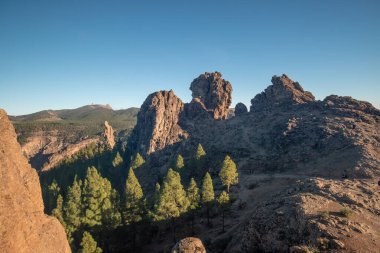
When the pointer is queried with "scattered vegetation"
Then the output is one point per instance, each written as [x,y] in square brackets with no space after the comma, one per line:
[325,214]
[347,212]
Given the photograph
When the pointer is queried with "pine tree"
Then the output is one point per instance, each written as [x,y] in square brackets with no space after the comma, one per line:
[57,211]
[133,199]
[179,163]
[200,152]
[72,209]
[88,244]
[152,215]
[224,205]
[173,201]
[137,162]
[97,193]
[228,174]
[194,199]
[112,215]
[118,160]
[208,195]
[156,196]
[53,192]
[200,161]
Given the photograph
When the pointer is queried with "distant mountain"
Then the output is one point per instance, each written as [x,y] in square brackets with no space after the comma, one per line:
[121,119]
[47,133]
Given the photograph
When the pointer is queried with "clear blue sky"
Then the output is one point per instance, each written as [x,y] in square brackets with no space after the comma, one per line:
[65,54]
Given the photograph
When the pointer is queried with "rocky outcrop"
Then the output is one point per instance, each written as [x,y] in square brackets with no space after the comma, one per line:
[108,134]
[215,93]
[55,157]
[282,93]
[240,109]
[189,245]
[24,226]
[158,123]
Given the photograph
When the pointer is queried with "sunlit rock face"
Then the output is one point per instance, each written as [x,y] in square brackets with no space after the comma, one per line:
[214,93]
[157,123]
[23,225]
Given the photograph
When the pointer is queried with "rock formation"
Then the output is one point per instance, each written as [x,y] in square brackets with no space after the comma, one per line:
[282,93]
[108,134]
[158,123]
[189,245]
[24,226]
[292,153]
[240,109]
[213,92]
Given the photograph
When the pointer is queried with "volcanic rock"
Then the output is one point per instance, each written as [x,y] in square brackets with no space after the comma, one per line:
[214,93]
[240,109]
[158,123]
[24,226]
[189,245]
[282,93]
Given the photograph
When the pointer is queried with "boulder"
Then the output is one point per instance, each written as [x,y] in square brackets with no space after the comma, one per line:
[240,109]
[189,245]
[24,226]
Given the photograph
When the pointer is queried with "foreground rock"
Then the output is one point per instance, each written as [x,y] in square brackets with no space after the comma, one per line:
[24,226]
[314,214]
[189,245]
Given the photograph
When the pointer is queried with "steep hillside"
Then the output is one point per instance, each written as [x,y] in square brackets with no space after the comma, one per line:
[24,226]
[60,133]
[302,163]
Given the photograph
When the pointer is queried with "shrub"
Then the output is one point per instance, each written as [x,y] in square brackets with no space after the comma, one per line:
[325,214]
[346,212]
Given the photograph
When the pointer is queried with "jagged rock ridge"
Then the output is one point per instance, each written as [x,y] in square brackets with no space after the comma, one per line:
[302,148]
[283,92]
[24,226]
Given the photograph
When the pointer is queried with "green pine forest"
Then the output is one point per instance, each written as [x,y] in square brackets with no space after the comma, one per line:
[98,197]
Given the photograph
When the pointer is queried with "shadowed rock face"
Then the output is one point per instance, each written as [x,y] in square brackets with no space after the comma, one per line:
[282,93]
[214,93]
[24,226]
[157,123]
